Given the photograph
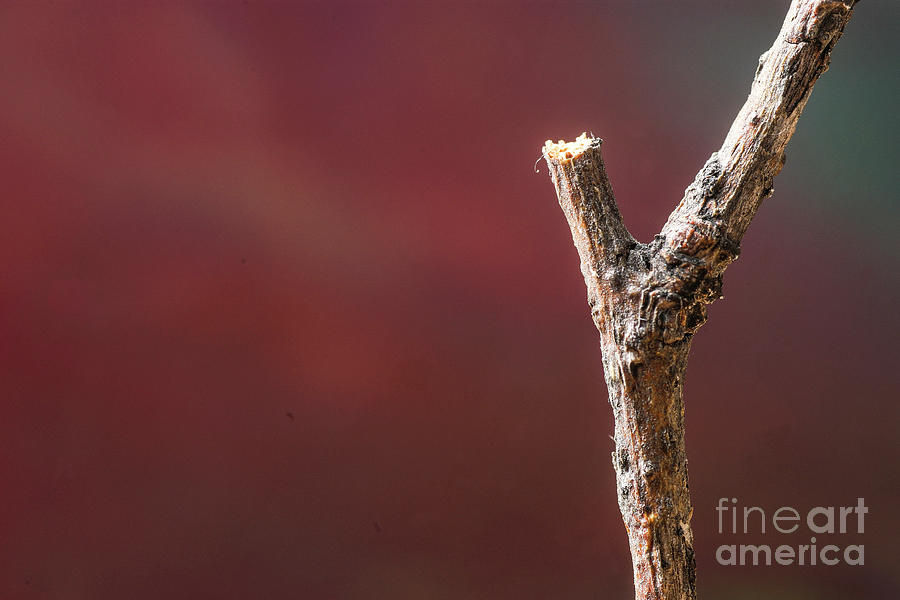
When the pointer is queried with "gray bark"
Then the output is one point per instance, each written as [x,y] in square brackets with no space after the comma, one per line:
[648,300]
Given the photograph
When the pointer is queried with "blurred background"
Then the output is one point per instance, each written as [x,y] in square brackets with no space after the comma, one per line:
[286,311]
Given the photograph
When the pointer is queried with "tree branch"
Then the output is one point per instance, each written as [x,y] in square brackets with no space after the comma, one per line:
[647,300]
[586,198]
[735,180]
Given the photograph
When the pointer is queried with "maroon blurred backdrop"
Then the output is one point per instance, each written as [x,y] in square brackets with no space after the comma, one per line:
[287,313]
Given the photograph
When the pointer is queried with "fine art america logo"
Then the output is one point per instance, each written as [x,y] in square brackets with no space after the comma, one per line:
[820,520]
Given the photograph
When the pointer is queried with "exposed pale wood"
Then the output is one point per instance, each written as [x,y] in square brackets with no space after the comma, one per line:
[647,300]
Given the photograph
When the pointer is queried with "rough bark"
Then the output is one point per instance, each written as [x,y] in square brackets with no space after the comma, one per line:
[647,300]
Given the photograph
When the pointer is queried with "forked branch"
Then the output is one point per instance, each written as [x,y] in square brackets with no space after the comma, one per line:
[647,300]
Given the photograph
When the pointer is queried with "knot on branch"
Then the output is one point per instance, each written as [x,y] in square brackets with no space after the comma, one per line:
[695,248]
[687,260]
[665,317]
[672,281]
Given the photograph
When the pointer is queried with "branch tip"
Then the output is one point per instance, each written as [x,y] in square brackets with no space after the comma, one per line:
[563,151]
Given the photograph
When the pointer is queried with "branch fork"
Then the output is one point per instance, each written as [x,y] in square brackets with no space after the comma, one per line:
[648,300]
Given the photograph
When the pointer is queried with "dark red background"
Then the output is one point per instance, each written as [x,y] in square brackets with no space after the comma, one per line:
[286,312]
